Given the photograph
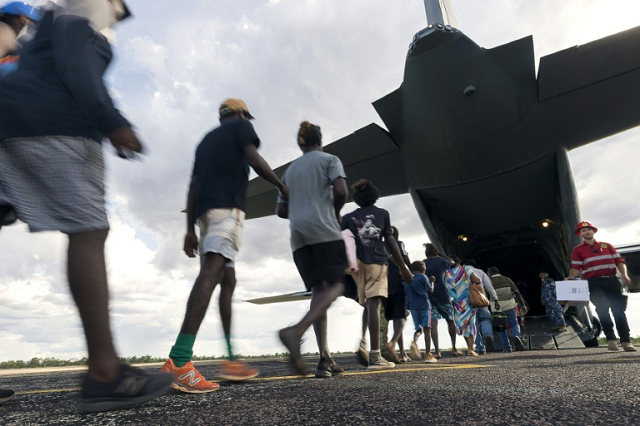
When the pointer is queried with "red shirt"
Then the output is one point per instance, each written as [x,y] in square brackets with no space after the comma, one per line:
[597,260]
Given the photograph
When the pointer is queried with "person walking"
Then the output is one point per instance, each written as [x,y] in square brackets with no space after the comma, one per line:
[395,305]
[507,292]
[484,336]
[549,299]
[459,278]
[56,111]
[437,265]
[598,262]
[216,201]
[317,191]
[14,17]
[419,306]
[371,225]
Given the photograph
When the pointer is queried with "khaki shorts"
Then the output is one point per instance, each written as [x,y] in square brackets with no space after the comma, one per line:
[221,232]
[371,280]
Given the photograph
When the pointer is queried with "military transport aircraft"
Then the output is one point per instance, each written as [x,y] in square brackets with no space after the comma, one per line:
[480,142]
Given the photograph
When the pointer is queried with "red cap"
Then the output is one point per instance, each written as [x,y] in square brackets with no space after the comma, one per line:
[585,224]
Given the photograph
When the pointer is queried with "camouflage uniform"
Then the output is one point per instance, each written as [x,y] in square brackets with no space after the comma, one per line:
[550,301]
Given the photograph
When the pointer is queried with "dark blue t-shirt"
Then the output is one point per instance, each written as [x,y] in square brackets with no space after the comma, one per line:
[394,277]
[418,292]
[221,169]
[58,89]
[369,224]
[437,266]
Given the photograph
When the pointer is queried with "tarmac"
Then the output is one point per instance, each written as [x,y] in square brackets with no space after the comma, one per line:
[552,387]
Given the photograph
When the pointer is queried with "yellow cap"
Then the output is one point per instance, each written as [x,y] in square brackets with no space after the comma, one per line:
[234,105]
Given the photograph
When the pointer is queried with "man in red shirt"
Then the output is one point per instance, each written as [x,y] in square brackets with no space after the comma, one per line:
[598,263]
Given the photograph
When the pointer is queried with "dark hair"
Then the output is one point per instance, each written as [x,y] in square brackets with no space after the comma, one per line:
[394,232]
[492,271]
[12,20]
[309,134]
[471,262]
[418,266]
[456,259]
[430,250]
[364,193]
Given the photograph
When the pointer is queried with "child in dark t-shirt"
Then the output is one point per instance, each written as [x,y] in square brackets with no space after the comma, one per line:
[419,305]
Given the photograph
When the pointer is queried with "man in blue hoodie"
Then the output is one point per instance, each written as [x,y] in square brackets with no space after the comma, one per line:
[56,111]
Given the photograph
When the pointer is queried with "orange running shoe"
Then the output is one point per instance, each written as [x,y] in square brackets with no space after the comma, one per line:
[237,371]
[188,379]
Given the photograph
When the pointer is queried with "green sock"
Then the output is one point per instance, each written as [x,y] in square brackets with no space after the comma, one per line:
[182,352]
[229,349]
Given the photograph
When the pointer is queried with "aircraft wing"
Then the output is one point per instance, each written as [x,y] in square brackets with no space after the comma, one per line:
[289,297]
[368,153]
[593,88]
[631,255]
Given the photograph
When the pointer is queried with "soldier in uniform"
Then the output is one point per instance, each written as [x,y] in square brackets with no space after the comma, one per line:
[550,301]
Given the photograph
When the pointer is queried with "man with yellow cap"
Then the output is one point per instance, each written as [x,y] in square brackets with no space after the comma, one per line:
[598,263]
[216,201]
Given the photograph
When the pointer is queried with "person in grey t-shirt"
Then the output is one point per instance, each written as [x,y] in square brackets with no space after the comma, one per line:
[317,191]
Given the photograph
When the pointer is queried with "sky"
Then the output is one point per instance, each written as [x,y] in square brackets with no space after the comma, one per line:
[290,60]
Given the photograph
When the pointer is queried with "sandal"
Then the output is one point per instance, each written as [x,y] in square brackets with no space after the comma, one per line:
[472,353]
[393,356]
[456,353]
[405,358]
[437,355]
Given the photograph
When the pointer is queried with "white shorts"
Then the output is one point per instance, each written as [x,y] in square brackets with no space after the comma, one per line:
[221,232]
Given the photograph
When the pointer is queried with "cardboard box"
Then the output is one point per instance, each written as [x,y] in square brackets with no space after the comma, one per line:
[572,291]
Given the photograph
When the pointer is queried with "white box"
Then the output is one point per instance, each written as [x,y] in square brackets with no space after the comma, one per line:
[572,291]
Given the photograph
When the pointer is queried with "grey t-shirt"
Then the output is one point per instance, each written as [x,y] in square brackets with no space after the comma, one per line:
[312,217]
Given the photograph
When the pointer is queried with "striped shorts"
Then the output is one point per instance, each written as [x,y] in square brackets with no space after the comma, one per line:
[54,183]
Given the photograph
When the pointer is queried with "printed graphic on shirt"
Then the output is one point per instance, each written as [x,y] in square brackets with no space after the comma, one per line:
[368,232]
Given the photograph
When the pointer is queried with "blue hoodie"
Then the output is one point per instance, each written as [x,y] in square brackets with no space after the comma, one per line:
[58,88]
[418,292]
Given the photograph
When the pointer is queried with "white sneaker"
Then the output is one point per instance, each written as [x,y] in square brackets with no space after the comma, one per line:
[377,362]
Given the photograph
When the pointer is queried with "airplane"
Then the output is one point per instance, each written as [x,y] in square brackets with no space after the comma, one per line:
[481,143]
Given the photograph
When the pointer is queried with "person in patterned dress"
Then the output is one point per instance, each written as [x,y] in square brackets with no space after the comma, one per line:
[459,278]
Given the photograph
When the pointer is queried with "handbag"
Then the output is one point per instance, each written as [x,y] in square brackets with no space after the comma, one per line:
[477,297]
[499,321]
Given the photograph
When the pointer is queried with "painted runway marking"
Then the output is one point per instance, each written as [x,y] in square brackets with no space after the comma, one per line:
[48,391]
[634,359]
[276,378]
[393,370]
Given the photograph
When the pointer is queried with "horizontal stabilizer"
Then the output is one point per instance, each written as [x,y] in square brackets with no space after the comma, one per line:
[591,91]
[580,66]
[369,153]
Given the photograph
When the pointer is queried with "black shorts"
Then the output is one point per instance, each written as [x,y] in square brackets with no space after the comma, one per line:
[395,307]
[321,262]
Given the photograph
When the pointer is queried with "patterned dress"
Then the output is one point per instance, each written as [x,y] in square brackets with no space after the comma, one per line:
[458,281]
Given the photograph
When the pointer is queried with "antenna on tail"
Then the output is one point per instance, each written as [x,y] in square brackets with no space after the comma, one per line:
[440,12]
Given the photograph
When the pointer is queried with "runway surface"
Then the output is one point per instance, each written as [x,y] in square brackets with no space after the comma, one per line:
[568,387]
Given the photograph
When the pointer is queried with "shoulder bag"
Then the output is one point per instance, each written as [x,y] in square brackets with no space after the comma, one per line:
[477,297]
